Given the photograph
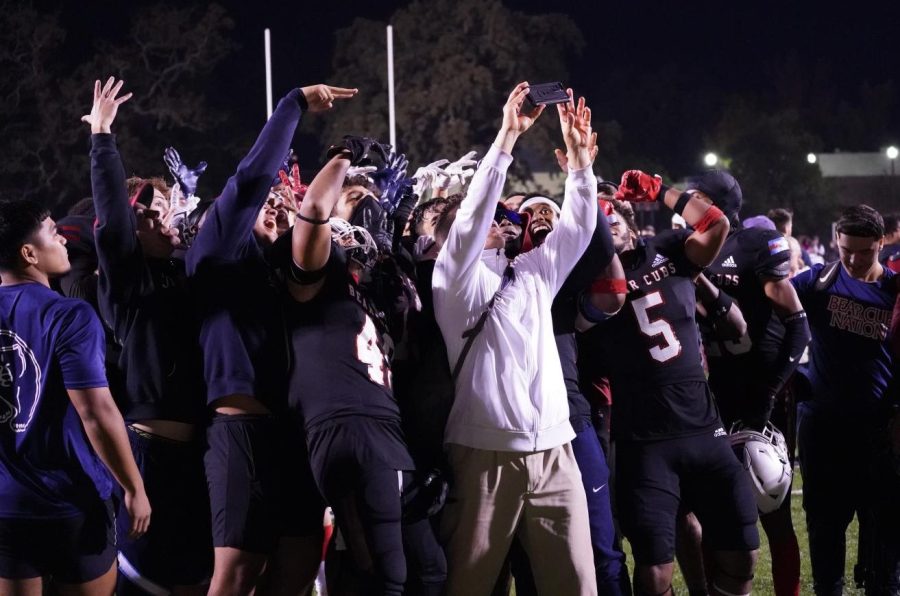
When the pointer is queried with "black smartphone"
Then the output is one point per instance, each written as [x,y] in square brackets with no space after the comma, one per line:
[546,94]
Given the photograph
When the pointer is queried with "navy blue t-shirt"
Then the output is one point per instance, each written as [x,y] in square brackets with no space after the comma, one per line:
[48,344]
[850,355]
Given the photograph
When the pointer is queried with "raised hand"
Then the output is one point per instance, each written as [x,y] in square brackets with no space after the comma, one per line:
[638,187]
[321,97]
[106,105]
[359,150]
[186,177]
[391,173]
[514,121]
[581,141]
[426,175]
[360,170]
[461,169]
[293,182]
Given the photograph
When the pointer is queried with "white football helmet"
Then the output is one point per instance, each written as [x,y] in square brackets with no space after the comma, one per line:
[356,240]
[764,456]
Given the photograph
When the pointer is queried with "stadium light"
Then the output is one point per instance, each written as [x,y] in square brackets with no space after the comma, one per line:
[811,157]
[710,159]
[892,152]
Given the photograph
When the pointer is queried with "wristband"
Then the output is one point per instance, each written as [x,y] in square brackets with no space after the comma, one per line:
[313,221]
[797,316]
[681,203]
[591,312]
[712,215]
[301,100]
[661,195]
[719,307]
[303,277]
[609,286]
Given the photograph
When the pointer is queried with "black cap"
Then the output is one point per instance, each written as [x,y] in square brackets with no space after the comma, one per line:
[722,188]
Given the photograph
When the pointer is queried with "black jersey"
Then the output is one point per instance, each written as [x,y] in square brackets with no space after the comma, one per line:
[749,258]
[341,352]
[651,349]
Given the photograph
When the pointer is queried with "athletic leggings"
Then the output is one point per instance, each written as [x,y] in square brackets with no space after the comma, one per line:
[382,543]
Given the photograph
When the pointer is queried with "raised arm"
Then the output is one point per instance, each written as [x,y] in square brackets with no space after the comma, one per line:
[708,222]
[461,251]
[311,237]
[116,226]
[227,231]
[567,242]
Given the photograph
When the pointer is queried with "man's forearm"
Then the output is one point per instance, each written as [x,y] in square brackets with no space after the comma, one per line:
[506,140]
[105,429]
[116,225]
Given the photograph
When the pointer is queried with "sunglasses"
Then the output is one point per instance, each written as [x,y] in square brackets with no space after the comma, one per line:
[507,214]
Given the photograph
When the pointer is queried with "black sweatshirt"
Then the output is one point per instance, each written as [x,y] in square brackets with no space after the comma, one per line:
[145,303]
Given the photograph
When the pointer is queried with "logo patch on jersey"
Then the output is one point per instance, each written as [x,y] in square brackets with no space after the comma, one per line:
[659,260]
[20,381]
[729,262]
[777,245]
[720,432]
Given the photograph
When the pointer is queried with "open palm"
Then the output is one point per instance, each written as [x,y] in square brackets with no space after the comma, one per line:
[106,105]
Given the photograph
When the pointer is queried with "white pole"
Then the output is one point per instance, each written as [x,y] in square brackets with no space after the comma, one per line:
[268,44]
[392,120]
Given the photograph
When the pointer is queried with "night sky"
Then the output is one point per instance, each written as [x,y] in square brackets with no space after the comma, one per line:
[717,49]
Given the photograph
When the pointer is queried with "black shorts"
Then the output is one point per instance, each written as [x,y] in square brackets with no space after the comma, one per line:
[177,548]
[345,447]
[72,550]
[260,486]
[701,472]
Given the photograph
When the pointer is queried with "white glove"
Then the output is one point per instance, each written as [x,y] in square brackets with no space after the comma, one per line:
[360,170]
[426,175]
[423,249]
[461,169]
[179,205]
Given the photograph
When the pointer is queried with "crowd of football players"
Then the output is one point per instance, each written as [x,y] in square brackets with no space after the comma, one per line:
[435,384]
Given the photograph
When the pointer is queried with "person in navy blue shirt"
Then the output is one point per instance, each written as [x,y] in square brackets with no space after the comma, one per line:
[260,497]
[61,434]
[842,430]
[144,300]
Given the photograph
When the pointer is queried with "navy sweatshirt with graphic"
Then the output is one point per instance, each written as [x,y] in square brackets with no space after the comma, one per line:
[145,302]
[242,334]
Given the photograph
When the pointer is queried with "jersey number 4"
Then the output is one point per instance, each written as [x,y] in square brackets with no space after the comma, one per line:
[369,352]
[669,347]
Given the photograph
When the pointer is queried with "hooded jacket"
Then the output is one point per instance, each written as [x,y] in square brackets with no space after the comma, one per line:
[510,394]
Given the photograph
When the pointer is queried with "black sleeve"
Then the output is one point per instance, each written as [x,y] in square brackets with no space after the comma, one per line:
[670,243]
[123,272]
[773,255]
[593,261]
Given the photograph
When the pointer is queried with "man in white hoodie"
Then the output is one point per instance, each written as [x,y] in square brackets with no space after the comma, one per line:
[508,435]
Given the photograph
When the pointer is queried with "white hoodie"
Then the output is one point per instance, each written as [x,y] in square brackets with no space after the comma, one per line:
[510,394]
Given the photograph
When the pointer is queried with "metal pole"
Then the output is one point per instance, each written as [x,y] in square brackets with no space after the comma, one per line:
[268,44]
[392,121]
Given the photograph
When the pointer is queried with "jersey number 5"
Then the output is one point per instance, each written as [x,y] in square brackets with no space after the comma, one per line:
[670,347]
[370,353]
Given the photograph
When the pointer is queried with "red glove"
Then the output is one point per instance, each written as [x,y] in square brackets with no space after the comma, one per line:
[298,189]
[605,207]
[638,187]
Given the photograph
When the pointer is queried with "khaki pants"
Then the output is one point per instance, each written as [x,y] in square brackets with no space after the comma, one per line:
[537,496]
